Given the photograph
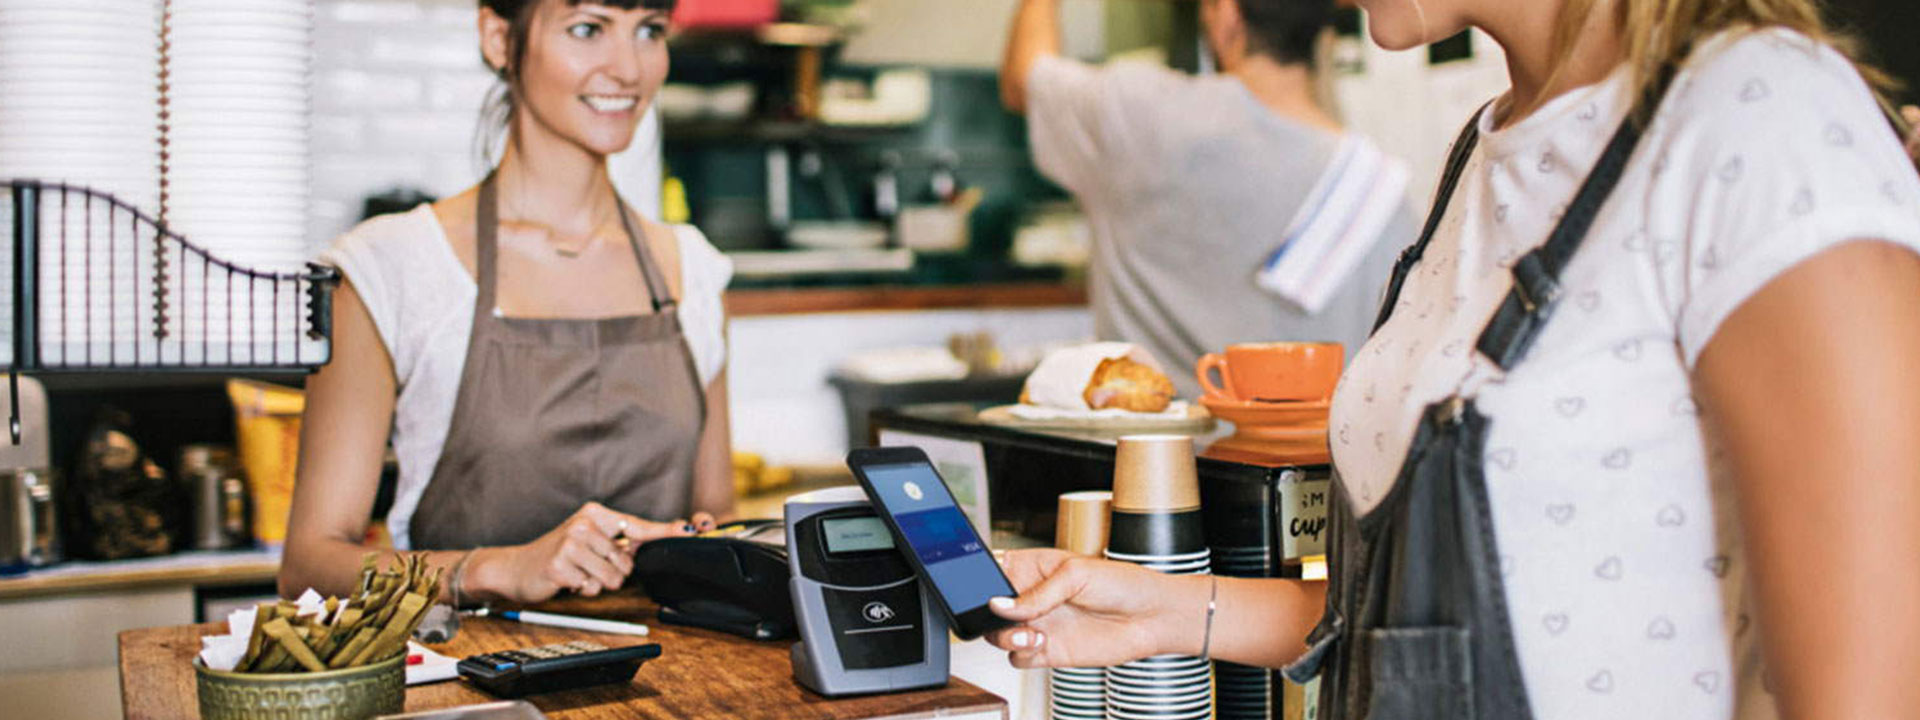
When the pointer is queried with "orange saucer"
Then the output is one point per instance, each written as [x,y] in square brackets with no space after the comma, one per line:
[1271,419]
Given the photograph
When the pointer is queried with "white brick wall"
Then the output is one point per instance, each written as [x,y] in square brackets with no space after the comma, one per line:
[397,90]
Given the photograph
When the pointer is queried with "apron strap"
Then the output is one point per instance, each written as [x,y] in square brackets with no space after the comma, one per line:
[1536,275]
[486,237]
[1456,165]
[656,285]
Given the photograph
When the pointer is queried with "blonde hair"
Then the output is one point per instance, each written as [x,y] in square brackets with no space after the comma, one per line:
[1658,33]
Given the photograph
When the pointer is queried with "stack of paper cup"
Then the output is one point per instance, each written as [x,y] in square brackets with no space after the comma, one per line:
[1080,693]
[1244,692]
[1156,523]
[237,176]
[79,104]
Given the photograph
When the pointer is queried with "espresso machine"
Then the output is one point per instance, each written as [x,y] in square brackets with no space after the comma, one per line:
[29,489]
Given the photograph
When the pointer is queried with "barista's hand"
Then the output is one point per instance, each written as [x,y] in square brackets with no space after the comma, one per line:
[1912,114]
[590,552]
[703,521]
[1077,611]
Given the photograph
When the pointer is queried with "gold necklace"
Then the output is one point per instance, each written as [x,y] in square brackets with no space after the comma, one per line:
[562,249]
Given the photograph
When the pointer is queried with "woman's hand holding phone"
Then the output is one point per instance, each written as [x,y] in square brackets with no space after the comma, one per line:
[1077,611]
[590,552]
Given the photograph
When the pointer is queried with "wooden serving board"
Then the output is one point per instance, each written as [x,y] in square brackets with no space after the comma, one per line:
[1197,421]
[700,674]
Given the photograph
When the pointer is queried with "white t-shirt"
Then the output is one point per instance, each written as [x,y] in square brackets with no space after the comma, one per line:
[421,299]
[1620,550]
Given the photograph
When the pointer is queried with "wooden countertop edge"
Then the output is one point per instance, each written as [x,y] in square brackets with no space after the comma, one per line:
[795,301]
[157,682]
[234,574]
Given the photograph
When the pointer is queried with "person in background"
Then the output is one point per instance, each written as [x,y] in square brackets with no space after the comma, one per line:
[547,363]
[1225,208]
[1691,489]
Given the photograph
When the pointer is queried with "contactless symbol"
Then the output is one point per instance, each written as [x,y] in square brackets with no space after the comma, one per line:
[913,490]
[877,612]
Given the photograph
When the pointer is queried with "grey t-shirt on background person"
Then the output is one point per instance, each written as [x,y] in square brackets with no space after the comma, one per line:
[1189,185]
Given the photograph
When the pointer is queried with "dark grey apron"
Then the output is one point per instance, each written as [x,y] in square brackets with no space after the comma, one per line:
[1416,621]
[552,414]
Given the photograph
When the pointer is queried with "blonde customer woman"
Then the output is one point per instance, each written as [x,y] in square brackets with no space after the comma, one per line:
[1635,436]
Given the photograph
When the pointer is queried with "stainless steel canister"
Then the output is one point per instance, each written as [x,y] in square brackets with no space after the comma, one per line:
[221,506]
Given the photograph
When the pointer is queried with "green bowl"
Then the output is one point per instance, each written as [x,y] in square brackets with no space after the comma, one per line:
[346,694]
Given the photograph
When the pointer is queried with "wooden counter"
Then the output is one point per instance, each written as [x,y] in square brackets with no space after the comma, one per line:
[238,567]
[700,674]
[794,301]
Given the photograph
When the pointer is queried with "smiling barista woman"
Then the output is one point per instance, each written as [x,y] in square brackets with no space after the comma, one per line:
[549,362]
[1652,454]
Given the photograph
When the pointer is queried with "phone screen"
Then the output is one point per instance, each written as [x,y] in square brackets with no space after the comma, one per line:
[962,570]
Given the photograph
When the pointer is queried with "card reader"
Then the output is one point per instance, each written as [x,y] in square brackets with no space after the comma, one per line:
[866,623]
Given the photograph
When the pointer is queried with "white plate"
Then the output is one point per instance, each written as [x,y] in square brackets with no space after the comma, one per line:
[123,100]
[245,244]
[283,64]
[113,93]
[186,95]
[297,7]
[213,104]
[133,162]
[236,153]
[120,6]
[25,124]
[107,49]
[178,8]
[82,67]
[236,209]
[183,33]
[235,118]
[199,47]
[29,35]
[209,202]
[273,204]
[279,62]
[98,20]
[194,131]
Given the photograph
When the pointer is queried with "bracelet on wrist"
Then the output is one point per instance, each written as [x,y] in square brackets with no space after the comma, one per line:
[456,581]
[1213,598]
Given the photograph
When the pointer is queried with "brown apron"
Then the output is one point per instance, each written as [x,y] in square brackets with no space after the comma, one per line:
[552,414]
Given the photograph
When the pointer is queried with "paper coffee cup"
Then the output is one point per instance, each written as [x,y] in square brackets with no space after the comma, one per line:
[1082,525]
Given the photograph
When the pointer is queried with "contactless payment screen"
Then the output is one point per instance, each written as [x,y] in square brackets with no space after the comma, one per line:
[937,532]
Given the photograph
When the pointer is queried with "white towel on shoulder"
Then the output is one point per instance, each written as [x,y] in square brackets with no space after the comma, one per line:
[1339,224]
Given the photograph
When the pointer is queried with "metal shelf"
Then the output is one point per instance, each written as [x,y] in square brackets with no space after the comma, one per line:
[95,285]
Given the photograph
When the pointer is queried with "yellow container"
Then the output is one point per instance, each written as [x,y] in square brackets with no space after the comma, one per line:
[267,424]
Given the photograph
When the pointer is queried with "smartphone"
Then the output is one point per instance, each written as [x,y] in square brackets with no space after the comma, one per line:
[941,545]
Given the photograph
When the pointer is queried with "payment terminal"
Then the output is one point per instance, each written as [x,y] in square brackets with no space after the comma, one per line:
[866,623]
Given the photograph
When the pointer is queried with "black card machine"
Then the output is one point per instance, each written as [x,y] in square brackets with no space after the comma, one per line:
[866,623]
[735,584]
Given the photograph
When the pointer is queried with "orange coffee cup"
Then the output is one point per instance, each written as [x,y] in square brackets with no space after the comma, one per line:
[1278,371]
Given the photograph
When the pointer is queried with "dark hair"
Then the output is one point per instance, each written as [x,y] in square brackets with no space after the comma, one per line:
[1285,30]
[497,113]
